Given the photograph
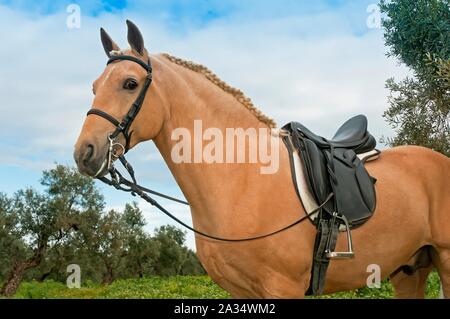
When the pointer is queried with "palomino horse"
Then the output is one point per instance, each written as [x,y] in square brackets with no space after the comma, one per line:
[411,224]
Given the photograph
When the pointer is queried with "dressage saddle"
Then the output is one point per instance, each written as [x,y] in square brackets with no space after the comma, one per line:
[336,177]
[332,166]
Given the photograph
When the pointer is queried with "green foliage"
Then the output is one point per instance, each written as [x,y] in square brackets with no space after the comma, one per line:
[191,265]
[185,287]
[171,233]
[71,190]
[45,223]
[433,287]
[418,34]
[441,72]
[174,258]
[386,291]
[41,234]
[418,119]
[182,287]
[119,243]
[414,29]
[10,242]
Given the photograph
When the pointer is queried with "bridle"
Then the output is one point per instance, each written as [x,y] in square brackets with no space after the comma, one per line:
[124,125]
[118,181]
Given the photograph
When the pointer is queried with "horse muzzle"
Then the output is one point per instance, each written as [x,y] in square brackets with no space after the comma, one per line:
[91,159]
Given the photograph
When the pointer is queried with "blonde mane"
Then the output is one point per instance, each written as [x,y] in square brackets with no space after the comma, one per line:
[240,97]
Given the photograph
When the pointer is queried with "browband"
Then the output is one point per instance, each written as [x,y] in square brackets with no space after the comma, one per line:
[147,66]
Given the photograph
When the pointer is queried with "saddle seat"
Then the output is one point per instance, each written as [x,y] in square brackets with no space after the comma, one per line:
[352,134]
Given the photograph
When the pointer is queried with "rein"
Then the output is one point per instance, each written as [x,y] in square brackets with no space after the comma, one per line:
[118,181]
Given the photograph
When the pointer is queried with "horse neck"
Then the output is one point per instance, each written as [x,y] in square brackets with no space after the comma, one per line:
[209,188]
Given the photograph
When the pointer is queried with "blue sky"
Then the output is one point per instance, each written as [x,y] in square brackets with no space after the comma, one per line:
[312,61]
[181,14]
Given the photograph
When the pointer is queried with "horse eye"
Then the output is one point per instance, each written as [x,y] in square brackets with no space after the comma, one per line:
[130,84]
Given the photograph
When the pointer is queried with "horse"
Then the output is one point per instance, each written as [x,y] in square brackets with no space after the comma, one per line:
[410,228]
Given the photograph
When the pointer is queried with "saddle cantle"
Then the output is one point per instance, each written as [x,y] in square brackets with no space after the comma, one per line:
[334,173]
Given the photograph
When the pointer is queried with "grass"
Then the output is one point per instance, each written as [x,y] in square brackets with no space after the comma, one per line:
[180,287]
[387,291]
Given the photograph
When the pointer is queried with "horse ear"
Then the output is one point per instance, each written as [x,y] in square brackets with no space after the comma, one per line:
[108,44]
[135,38]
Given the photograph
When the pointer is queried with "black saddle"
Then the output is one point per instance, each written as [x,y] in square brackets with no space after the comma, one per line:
[337,177]
[332,166]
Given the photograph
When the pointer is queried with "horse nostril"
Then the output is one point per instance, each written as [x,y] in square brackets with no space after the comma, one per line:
[88,153]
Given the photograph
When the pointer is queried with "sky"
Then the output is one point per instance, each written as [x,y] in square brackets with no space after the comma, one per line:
[315,62]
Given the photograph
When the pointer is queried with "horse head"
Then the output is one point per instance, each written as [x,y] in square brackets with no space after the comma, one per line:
[121,95]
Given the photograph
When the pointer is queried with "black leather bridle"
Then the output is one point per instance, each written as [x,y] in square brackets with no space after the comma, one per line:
[118,181]
[124,125]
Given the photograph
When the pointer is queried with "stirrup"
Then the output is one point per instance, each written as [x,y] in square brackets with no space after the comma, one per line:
[343,254]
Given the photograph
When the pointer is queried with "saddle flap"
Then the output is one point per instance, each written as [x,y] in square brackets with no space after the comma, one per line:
[314,163]
[353,188]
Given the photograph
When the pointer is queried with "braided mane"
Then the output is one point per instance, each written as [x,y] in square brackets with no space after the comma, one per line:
[240,97]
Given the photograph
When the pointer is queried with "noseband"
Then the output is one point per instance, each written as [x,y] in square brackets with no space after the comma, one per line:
[118,181]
